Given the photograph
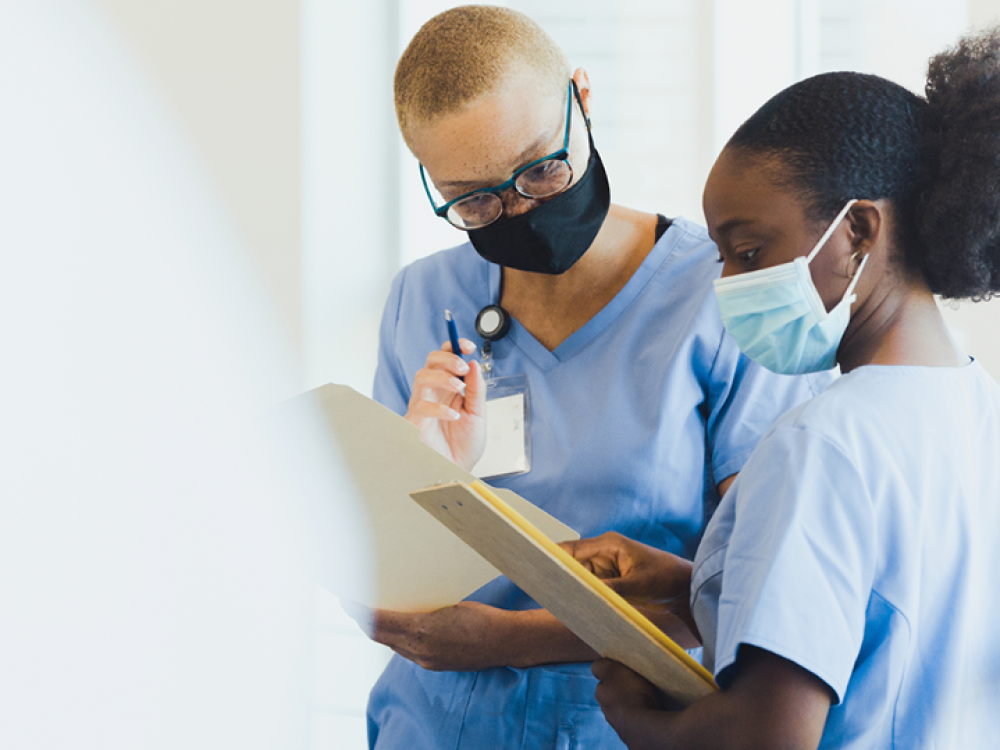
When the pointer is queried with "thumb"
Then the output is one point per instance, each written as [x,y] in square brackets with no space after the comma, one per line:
[629,587]
[475,390]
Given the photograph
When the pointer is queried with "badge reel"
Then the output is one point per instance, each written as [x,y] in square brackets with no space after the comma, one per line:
[508,407]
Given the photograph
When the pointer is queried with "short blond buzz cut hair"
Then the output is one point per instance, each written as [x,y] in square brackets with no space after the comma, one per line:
[465,53]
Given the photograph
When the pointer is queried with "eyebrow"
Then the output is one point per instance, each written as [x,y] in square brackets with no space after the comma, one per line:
[523,158]
[728,226]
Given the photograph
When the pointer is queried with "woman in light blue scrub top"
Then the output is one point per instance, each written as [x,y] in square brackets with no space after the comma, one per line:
[845,589]
[641,408]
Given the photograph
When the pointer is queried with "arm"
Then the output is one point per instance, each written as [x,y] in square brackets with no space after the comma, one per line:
[472,636]
[772,703]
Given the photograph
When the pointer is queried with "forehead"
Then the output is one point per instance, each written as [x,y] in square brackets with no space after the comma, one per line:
[486,138]
[741,188]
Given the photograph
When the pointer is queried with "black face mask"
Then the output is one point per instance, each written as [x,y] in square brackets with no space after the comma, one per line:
[553,236]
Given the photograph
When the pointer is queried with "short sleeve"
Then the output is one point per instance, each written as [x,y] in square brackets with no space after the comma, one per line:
[391,387]
[744,400]
[801,558]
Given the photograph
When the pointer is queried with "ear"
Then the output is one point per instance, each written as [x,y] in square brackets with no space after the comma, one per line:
[582,82]
[867,226]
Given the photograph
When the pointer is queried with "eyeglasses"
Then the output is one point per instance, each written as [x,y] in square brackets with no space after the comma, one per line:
[541,178]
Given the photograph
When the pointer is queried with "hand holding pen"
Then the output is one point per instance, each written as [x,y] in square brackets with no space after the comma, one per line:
[448,401]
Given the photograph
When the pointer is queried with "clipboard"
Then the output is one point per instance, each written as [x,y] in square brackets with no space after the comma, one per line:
[558,582]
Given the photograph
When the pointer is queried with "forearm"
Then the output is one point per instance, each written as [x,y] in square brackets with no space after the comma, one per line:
[772,703]
[534,637]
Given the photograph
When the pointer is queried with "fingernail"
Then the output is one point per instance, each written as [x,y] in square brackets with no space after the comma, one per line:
[463,368]
[460,385]
[453,414]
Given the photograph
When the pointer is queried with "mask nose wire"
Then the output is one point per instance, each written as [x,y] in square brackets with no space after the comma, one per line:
[830,230]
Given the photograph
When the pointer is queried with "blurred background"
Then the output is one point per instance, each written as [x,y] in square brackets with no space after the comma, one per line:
[279,113]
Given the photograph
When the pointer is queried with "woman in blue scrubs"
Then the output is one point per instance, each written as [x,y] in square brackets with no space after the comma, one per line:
[642,409]
[844,589]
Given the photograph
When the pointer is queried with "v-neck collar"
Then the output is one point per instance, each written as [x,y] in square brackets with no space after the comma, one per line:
[547,360]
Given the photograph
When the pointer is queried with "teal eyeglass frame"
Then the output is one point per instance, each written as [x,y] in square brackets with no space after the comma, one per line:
[560,155]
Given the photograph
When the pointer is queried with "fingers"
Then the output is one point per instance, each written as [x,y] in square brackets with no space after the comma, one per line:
[601,668]
[608,544]
[620,686]
[438,386]
[434,391]
[467,346]
[601,555]
[447,362]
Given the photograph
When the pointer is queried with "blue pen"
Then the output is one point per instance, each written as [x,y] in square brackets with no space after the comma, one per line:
[453,335]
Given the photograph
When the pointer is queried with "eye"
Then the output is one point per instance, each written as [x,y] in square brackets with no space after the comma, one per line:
[720,259]
[747,256]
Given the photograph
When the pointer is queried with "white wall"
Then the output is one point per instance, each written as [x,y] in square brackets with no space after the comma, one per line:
[229,73]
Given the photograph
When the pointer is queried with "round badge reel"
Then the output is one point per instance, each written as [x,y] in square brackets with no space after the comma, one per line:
[492,324]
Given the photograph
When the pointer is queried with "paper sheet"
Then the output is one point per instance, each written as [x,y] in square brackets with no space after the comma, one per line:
[419,564]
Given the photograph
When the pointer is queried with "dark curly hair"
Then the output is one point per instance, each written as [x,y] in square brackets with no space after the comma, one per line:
[839,136]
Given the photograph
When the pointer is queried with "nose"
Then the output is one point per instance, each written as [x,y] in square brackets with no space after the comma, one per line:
[515,204]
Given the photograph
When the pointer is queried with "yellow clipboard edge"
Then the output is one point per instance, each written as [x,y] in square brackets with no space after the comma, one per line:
[594,582]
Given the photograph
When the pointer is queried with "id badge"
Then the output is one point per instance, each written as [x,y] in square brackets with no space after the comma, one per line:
[508,428]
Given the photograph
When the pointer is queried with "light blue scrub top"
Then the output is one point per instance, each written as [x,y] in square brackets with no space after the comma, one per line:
[862,542]
[634,420]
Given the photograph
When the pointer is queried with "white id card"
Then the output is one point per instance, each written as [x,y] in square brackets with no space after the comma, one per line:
[508,428]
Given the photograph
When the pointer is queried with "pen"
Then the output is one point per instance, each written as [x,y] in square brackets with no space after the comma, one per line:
[453,335]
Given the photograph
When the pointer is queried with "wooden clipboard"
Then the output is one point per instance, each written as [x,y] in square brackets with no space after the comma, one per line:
[553,578]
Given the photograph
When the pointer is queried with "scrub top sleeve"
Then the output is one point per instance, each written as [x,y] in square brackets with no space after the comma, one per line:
[743,401]
[391,389]
[801,559]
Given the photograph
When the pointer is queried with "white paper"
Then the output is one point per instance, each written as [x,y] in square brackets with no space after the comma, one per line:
[420,564]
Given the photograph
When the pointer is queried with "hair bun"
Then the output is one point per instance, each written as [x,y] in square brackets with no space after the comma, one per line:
[959,214]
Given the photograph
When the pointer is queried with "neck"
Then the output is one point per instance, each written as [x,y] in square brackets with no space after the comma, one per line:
[552,307]
[899,326]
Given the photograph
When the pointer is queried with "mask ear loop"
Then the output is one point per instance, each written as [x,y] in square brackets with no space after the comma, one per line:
[830,230]
[855,256]
[857,275]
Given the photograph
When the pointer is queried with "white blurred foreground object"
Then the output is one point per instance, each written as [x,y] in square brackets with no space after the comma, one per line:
[417,564]
[153,551]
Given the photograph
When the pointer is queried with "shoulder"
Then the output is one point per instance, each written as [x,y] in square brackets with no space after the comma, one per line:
[688,240]
[459,263]
[684,267]
[688,229]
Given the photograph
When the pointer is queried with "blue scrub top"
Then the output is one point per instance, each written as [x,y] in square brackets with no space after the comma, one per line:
[635,418]
[861,542]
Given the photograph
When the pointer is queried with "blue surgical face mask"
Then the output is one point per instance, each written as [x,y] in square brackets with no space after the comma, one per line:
[777,317]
